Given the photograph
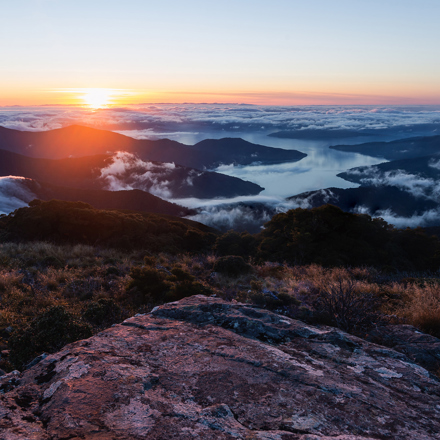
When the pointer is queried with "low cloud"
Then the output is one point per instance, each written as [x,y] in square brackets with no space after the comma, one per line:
[126,171]
[149,133]
[14,193]
[239,217]
[247,213]
[434,164]
[414,184]
[428,218]
[323,195]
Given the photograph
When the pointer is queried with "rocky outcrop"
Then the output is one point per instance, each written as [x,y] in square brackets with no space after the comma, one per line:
[205,368]
[421,348]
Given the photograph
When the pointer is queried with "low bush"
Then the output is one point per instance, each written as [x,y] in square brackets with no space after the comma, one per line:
[331,237]
[48,332]
[182,275]
[187,288]
[148,285]
[232,266]
[103,313]
[340,303]
[235,243]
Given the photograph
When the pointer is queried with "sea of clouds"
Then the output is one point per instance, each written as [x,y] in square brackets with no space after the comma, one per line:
[174,120]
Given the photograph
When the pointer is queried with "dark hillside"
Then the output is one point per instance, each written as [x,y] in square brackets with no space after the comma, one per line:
[79,223]
[85,172]
[134,200]
[239,151]
[80,172]
[326,236]
[331,237]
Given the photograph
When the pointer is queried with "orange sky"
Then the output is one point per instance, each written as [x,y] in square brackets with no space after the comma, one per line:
[101,98]
[287,52]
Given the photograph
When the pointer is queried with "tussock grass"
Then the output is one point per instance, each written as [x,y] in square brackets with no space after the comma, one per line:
[98,286]
[420,306]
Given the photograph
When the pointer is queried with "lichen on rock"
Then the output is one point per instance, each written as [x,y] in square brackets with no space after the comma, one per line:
[210,369]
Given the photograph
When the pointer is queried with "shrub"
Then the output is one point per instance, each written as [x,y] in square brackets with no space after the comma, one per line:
[232,266]
[342,305]
[51,261]
[83,289]
[234,243]
[48,332]
[103,313]
[112,270]
[150,261]
[149,285]
[181,275]
[187,288]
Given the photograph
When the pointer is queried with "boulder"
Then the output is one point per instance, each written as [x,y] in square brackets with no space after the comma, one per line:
[204,368]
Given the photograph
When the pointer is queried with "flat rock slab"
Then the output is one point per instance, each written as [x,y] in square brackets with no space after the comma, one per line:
[203,368]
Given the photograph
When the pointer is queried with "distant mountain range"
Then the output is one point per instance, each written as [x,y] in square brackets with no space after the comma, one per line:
[399,131]
[80,141]
[129,173]
[395,150]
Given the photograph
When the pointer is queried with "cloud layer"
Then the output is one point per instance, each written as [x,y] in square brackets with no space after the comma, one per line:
[174,121]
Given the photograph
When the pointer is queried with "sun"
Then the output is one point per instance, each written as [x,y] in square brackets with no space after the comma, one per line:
[97,98]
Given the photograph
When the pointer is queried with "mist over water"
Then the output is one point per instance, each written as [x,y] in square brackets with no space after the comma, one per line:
[317,170]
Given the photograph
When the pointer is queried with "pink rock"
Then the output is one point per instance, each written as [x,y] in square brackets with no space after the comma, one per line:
[203,368]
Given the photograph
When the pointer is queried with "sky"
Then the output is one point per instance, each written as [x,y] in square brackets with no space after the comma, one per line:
[281,52]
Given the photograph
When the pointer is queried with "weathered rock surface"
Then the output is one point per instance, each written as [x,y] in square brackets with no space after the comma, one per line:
[421,348]
[204,368]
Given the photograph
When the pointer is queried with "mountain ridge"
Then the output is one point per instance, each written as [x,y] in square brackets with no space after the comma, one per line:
[77,140]
[398,149]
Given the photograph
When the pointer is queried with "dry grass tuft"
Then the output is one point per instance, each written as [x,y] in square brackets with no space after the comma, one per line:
[421,307]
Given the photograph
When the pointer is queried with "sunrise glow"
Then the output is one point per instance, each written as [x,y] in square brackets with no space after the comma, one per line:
[294,53]
[97,98]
